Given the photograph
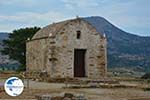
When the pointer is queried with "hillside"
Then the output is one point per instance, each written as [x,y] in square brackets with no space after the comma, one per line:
[124,49]
[3,35]
[4,59]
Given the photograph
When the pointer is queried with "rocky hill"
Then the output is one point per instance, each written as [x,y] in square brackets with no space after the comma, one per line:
[124,49]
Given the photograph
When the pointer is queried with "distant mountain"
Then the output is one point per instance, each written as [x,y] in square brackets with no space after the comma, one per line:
[3,58]
[3,35]
[124,49]
[5,62]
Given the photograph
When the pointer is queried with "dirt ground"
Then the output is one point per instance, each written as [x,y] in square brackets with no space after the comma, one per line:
[121,93]
[91,94]
[38,88]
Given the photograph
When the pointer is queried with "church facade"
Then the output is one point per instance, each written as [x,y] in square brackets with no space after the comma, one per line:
[68,49]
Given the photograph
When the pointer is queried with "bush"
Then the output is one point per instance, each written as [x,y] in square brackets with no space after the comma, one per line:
[147,89]
[146,76]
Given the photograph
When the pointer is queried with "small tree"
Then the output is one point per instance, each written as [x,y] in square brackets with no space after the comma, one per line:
[15,45]
[3,68]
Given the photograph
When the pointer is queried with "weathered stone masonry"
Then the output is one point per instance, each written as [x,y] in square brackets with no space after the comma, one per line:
[52,50]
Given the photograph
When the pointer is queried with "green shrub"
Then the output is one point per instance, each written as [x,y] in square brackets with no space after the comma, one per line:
[146,89]
[146,76]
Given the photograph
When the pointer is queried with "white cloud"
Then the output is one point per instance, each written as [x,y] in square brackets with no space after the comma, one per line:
[129,14]
[27,3]
[70,4]
[29,19]
[123,14]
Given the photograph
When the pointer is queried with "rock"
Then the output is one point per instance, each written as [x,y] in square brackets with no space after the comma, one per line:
[69,95]
[57,98]
[80,97]
[49,97]
[66,98]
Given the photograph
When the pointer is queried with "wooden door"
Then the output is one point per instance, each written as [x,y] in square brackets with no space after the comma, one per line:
[79,62]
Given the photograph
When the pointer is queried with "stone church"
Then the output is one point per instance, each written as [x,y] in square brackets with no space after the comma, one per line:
[68,49]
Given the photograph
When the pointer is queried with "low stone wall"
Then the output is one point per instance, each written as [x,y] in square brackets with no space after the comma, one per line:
[61,96]
[44,77]
[36,75]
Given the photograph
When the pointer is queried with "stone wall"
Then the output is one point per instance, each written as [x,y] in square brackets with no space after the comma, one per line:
[55,54]
[36,54]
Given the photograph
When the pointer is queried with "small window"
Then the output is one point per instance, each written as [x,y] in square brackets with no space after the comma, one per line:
[78,34]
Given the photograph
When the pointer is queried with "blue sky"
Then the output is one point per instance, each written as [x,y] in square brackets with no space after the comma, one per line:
[130,15]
